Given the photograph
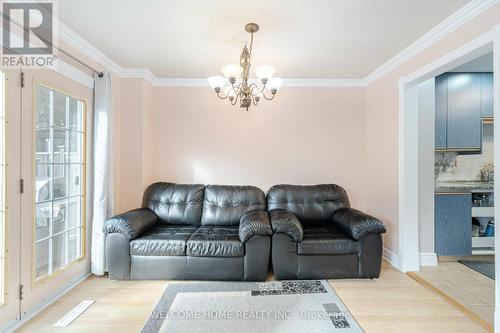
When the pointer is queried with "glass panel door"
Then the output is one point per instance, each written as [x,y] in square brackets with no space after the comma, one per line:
[54,166]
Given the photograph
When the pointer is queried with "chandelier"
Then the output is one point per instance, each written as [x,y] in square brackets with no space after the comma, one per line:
[235,84]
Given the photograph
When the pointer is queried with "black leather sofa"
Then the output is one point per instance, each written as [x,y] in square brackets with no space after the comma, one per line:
[316,235]
[192,232]
[214,232]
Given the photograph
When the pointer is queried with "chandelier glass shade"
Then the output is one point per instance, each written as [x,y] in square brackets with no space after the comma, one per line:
[236,86]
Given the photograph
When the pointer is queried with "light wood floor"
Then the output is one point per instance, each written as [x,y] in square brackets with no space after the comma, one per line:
[471,289]
[393,303]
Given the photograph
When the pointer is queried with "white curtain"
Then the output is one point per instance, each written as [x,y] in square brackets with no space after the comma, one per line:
[102,171]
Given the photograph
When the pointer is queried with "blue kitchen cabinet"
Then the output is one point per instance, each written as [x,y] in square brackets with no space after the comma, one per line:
[487,95]
[441,108]
[453,224]
[464,123]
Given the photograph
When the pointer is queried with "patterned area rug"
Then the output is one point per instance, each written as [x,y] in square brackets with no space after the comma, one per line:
[277,306]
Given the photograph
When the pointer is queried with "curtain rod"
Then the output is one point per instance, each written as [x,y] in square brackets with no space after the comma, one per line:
[99,73]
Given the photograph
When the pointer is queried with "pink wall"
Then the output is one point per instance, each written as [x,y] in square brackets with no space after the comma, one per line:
[132,99]
[381,124]
[304,136]
[347,136]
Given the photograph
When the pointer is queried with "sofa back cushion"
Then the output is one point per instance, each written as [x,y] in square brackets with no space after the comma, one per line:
[175,203]
[312,204]
[224,205]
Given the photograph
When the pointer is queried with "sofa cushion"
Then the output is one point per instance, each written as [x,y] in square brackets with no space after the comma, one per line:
[175,203]
[214,241]
[224,205]
[326,240]
[163,240]
[312,204]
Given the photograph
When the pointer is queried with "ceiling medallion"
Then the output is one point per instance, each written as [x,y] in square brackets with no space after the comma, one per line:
[235,85]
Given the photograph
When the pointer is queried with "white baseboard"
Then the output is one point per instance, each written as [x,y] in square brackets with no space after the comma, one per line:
[13,325]
[393,258]
[412,262]
[428,259]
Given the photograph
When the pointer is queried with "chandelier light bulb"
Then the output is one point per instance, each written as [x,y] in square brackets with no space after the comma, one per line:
[232,71]
[274,84]
[217,82]
[265,72]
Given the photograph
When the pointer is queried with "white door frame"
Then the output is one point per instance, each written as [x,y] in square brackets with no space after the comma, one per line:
[408,256]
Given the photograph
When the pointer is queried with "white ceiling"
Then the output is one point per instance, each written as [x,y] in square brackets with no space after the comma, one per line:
[323,39]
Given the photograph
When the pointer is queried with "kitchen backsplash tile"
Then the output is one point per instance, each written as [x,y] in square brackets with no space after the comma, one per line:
[451,166]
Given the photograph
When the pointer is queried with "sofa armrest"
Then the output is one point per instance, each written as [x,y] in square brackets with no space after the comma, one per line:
[357,224]
[284,222]
[132,223]
[254,223]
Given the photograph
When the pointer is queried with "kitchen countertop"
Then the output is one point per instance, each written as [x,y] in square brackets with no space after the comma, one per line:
[463,186]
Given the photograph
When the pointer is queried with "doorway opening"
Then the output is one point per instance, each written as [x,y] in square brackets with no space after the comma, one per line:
[456,213]
[447,162]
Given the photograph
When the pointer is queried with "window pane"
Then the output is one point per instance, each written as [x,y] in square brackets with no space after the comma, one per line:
[43,145]
[43,182]
[74,244]
[60,179]
[42,220]
[75,179]
[60,146]
[42,106]
[42,258]
[59,213]
[59,251]
[75,115]
[74,212]
[75,147]
[60,110]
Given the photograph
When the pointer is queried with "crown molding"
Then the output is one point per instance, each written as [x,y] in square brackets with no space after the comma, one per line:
[453,22]
[323,83]
[78,42]
[290,83]
[180,82]
[133,73]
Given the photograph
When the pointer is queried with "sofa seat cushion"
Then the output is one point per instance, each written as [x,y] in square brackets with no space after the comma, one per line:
[163,240]
[215,241]
[326,241]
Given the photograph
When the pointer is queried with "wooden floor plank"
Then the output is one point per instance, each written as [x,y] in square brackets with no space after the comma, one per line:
[470,291]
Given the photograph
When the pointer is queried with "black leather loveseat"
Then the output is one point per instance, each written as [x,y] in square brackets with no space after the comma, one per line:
[191,232]
[223,233]
[316,235]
